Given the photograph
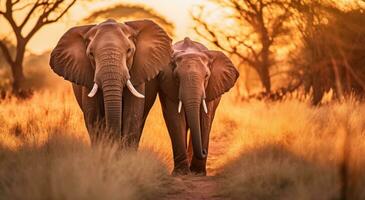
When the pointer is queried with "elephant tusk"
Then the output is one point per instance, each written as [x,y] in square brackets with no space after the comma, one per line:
[205,106]
[133,90]
[93,90]
[179,108]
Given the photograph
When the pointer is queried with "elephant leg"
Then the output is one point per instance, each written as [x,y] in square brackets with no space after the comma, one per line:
[92,109]
[150,98]
[132,118]
[190,148]
[199,166]
[177,128]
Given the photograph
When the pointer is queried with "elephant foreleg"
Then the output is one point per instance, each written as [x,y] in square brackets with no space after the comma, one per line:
[133,117]
[92,109]
[177,128]
[150,97]
[206,120]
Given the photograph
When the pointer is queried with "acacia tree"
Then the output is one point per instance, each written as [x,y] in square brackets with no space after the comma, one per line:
[38,14]
[123,12]
[331,56]
[246,29]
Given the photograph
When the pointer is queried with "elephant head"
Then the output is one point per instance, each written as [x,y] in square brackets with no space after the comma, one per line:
[195,76]
[109,56]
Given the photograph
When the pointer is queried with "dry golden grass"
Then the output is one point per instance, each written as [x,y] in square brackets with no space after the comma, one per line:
[283,150]
[290,150]
[67,168]
[45,154]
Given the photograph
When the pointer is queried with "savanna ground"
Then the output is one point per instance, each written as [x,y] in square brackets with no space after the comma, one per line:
[258,150]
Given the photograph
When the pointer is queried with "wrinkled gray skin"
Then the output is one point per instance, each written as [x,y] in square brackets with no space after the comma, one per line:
[195,74]
[108,55]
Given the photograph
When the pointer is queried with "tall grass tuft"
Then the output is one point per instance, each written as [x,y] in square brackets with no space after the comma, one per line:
[66,168]
[45,153]
[291,150]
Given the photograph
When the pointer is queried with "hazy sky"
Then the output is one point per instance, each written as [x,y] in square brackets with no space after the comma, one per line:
[176,11]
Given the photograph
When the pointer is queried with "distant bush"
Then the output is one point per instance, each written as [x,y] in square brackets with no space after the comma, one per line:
[333,53]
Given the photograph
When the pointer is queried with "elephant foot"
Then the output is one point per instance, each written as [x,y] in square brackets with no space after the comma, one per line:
[181,169]
[198,167]
[198,172]
[180,172]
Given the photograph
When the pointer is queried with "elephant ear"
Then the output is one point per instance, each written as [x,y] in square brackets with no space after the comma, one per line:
[69,59]
[153,50]
[223,75]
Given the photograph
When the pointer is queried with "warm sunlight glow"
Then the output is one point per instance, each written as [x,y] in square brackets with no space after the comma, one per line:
[188,99]
[45,39]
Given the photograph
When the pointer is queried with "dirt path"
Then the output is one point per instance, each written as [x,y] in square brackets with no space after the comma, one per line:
[200,187]
[218,147]
[195,188]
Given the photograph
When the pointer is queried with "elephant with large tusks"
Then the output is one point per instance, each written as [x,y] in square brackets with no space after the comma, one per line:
[113,68]
[190,91]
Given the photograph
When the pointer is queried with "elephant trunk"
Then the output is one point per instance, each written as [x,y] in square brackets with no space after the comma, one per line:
[112,74]
[192,104]
[112,93]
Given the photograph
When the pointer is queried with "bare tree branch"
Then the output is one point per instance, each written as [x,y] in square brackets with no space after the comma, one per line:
[62,13]
[9,17]
[22,7]
[25,20]
[15,2]
[46,8]
[263,21]
[43,19]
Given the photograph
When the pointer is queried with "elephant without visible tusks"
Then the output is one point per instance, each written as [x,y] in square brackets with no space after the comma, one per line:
[100,60]
[190,89]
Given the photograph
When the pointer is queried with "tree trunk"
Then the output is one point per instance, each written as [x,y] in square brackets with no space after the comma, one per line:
[18,77]
[265,77]
[17,68]
[265,57]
